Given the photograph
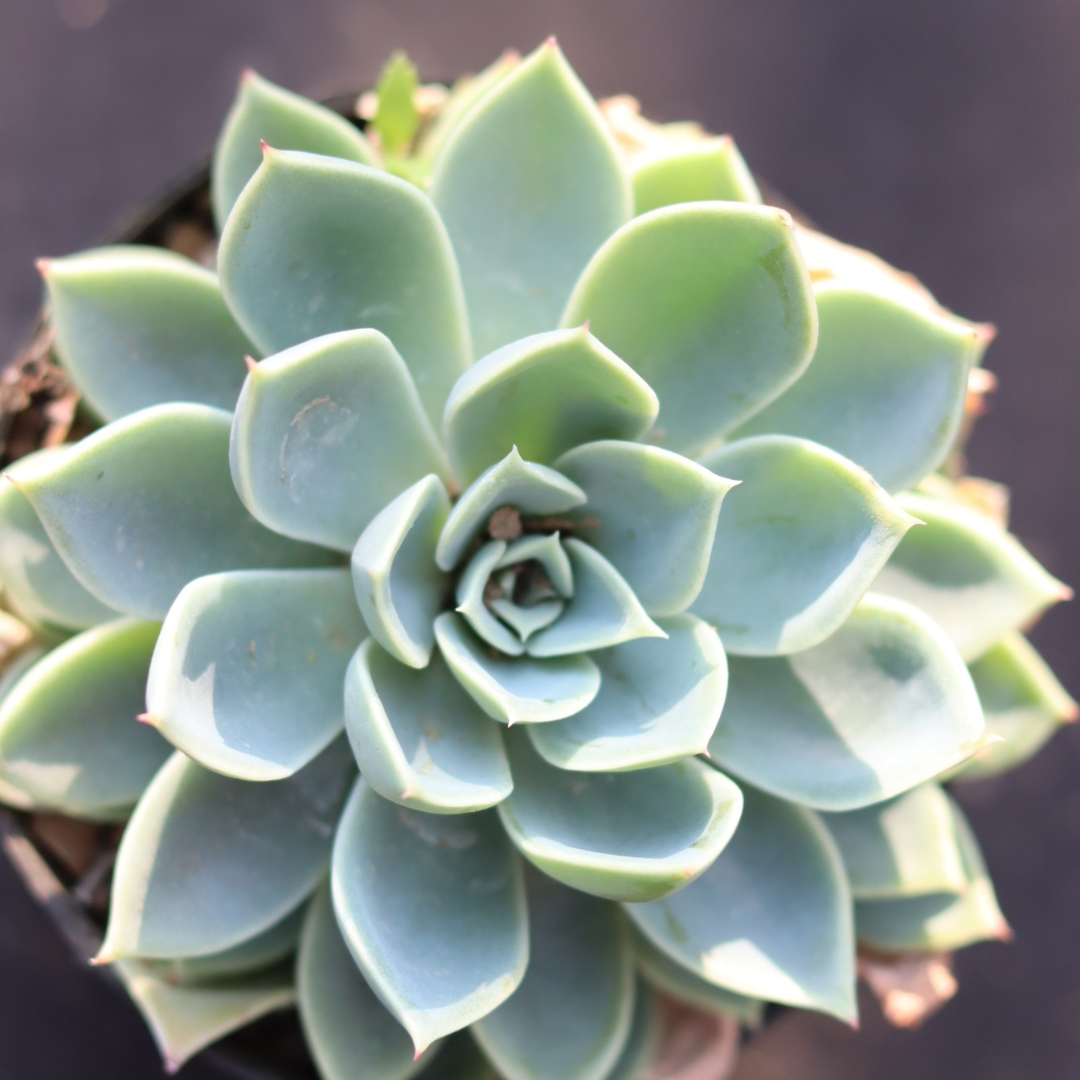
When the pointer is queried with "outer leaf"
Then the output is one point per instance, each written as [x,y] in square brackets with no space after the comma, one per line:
[176,895]
[706,170]
[529,184]
[419,739]
[516,690]
[973,577]
[630,836]
[142,507]
[571,1016]
[472,603]
[770,919]
[1023,703]
[940,922]
[316,245]
[263,112]
[140,326]
[532,489]
[797,546]
[645,1034]
[545,394]
[905,846]
[459,1058]
[443,938]
[326,434]
[68,736]
[399,588]
[659,701]
[37,583]
[246,678]
[186,1019]
[709,303]
[345,1024]
[882,705]
[652,514]
[887,384]
[674,980]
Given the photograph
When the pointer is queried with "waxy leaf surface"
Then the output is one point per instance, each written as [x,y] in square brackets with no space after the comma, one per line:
[645,1033]
[707,170]
[472,603]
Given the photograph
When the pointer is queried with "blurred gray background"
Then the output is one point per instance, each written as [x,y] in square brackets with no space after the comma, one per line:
[943,134]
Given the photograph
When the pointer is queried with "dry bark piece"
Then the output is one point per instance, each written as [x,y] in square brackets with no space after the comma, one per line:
[912,989]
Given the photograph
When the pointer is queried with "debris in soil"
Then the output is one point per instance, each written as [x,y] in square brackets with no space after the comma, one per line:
[911,989]
[74,844]
[505,524]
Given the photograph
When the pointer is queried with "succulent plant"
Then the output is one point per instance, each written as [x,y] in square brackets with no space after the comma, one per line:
[594,509]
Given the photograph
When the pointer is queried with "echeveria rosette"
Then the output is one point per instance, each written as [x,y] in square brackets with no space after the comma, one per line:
[554,504]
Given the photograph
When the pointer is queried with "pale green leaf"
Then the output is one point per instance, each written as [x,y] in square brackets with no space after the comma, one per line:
[141,326]
[145,505]
[529,184]
[345,1024]
[646,1031]
[459,1058]
[263,112]
[443,938]
[797,545]
[532,489]
[939,922]
[974,578]
[651,513]
[906,846]
[710,304]
[471,600]
[527,621]
[771,918]
[516,689]
[398,585]
[396,115]
[629,836]
[884,704]
[174,894]
[420,740]
[887,384]
[659,701]
[326,434]
[316,245]
[37,584]
[545,394]
[246,678]
[572,1013]
[703,171]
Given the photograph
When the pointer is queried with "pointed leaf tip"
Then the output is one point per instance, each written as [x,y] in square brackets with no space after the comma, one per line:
[250,363]
[43,266]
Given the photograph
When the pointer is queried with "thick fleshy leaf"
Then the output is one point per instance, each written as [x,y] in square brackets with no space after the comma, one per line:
[263,112]
[974,578]
[472,603]
[659,701]
[1023,703]
[346,1026]
[646,1031]
[396,115]
[650,512]
[176,895]
[532,489]
[68,734]
[529,184]
[145,505]
[905,846]
[398,586]
[443,938]
[797,544]
[704,171]
[186,1019]
[546,549]
[674,980]
[887,384]
[246,678]
[571,1015]
[771,918]
[141,326]
[37,583]
[604,610]
[526,621]
[419,739]
[711,304]
[516,689]
[316,245]
[884,704]
[458,1058]
[326,434]
[939,922]
[544,394]
[630,836]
